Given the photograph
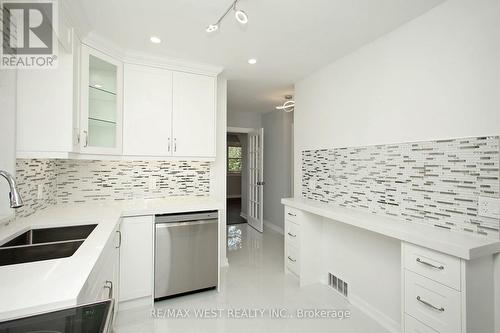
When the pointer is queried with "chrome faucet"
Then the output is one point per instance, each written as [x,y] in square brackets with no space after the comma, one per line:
[15,198]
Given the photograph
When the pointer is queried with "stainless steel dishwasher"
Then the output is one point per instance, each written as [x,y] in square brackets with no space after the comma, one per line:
[185,253]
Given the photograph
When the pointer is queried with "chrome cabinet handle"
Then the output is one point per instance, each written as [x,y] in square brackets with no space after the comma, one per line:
[440,309]
[292,214]
[429,264]
[175,145]
[109,285]
[292,235]
[169,145]
[119,239]
[291,259]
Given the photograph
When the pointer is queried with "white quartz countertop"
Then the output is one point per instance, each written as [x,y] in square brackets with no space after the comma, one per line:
[46,285]
[462,245]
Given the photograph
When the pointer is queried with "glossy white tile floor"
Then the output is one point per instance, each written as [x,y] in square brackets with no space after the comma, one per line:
[253,280]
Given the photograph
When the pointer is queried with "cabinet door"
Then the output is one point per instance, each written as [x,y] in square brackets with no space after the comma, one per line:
[194,115]
[136,258]
[147,118]
[101,98]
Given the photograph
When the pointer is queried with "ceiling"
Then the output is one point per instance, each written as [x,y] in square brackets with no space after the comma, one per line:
[290,38]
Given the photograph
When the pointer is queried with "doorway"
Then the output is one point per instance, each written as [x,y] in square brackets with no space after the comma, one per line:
[245,177]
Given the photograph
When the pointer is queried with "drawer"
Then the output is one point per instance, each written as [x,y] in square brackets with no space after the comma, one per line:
[432,303]
[414,326]
[437,266]
[292,234]
[293,260]
[293,215]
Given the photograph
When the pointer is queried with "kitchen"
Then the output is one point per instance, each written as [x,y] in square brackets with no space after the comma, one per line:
[373,167]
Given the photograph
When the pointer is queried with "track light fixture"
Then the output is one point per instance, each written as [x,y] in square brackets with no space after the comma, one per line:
[240,16]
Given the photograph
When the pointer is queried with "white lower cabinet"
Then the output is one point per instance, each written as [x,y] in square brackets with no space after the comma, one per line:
[432,303]
[136,258]
[292,247]
[103,281]
[414,326]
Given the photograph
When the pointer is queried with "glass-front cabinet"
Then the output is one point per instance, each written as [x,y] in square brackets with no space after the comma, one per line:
[101,103]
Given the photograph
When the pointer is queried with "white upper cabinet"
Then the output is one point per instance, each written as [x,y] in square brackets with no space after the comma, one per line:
[147,118]
[47,107]
[194,115]
[101,103]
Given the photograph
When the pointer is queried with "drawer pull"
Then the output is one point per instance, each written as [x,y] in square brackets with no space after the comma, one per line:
[441,309]
[292,235]
[429,264]
[294,215]
[291,259]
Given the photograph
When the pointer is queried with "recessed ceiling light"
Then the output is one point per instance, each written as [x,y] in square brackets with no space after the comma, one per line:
[155,40]
[212,28]
[241,16]
[252,61]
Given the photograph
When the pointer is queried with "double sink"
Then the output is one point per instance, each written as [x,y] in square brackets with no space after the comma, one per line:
[44,244]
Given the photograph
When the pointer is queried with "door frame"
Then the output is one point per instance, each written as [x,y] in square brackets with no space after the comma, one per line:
[243,130]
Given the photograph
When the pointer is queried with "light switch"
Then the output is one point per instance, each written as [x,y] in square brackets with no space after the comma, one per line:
[39,194]
[152,183]
[489,207]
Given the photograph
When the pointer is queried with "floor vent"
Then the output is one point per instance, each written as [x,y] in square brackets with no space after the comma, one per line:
[338,284]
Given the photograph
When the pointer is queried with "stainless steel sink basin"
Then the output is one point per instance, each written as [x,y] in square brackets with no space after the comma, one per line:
[49,235]
[44,244]
[38,252]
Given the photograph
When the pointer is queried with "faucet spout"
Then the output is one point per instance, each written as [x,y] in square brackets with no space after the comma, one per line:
[15,197]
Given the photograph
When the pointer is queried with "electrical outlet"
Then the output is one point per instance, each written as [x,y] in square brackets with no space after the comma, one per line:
[152,183]
[39,194]
[489,207]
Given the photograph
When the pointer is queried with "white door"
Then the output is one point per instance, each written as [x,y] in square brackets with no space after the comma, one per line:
[194,110]
[256,179]
[147,111]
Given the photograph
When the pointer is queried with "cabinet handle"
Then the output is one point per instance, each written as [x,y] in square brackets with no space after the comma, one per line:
[292,235]
[86,139]
[119,239]
[292,214]
[109,285]
[291,259]
[440,309]
[420,261]
[169,145]
[175,145]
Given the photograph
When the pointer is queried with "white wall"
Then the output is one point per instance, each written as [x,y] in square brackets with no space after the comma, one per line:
[218,172]
[7,135]
[277,167]
[244,119]
[436,77]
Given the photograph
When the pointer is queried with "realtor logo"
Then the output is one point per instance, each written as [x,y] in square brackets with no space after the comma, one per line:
[28,31]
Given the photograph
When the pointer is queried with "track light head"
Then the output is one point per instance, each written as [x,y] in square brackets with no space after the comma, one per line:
[241,16]
[212,28]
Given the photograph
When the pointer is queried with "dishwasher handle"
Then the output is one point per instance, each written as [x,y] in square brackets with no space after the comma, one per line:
[182,224]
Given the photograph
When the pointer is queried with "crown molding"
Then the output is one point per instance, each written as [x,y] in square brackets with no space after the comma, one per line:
[133,57]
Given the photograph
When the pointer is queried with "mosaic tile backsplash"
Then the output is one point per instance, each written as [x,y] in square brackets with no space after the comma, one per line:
[435,182]
[78,181]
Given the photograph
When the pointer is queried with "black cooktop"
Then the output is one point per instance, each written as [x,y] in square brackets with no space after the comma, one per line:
[90,318]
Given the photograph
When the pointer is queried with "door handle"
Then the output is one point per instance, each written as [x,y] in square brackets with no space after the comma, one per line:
[86,138]
[119,239]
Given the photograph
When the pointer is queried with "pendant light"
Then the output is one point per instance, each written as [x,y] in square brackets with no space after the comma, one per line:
[288,105]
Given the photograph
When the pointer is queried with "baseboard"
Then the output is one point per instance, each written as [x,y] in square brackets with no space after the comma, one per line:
[274,227]
[233,196]
[390,324]
[244,216]
[135,303]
